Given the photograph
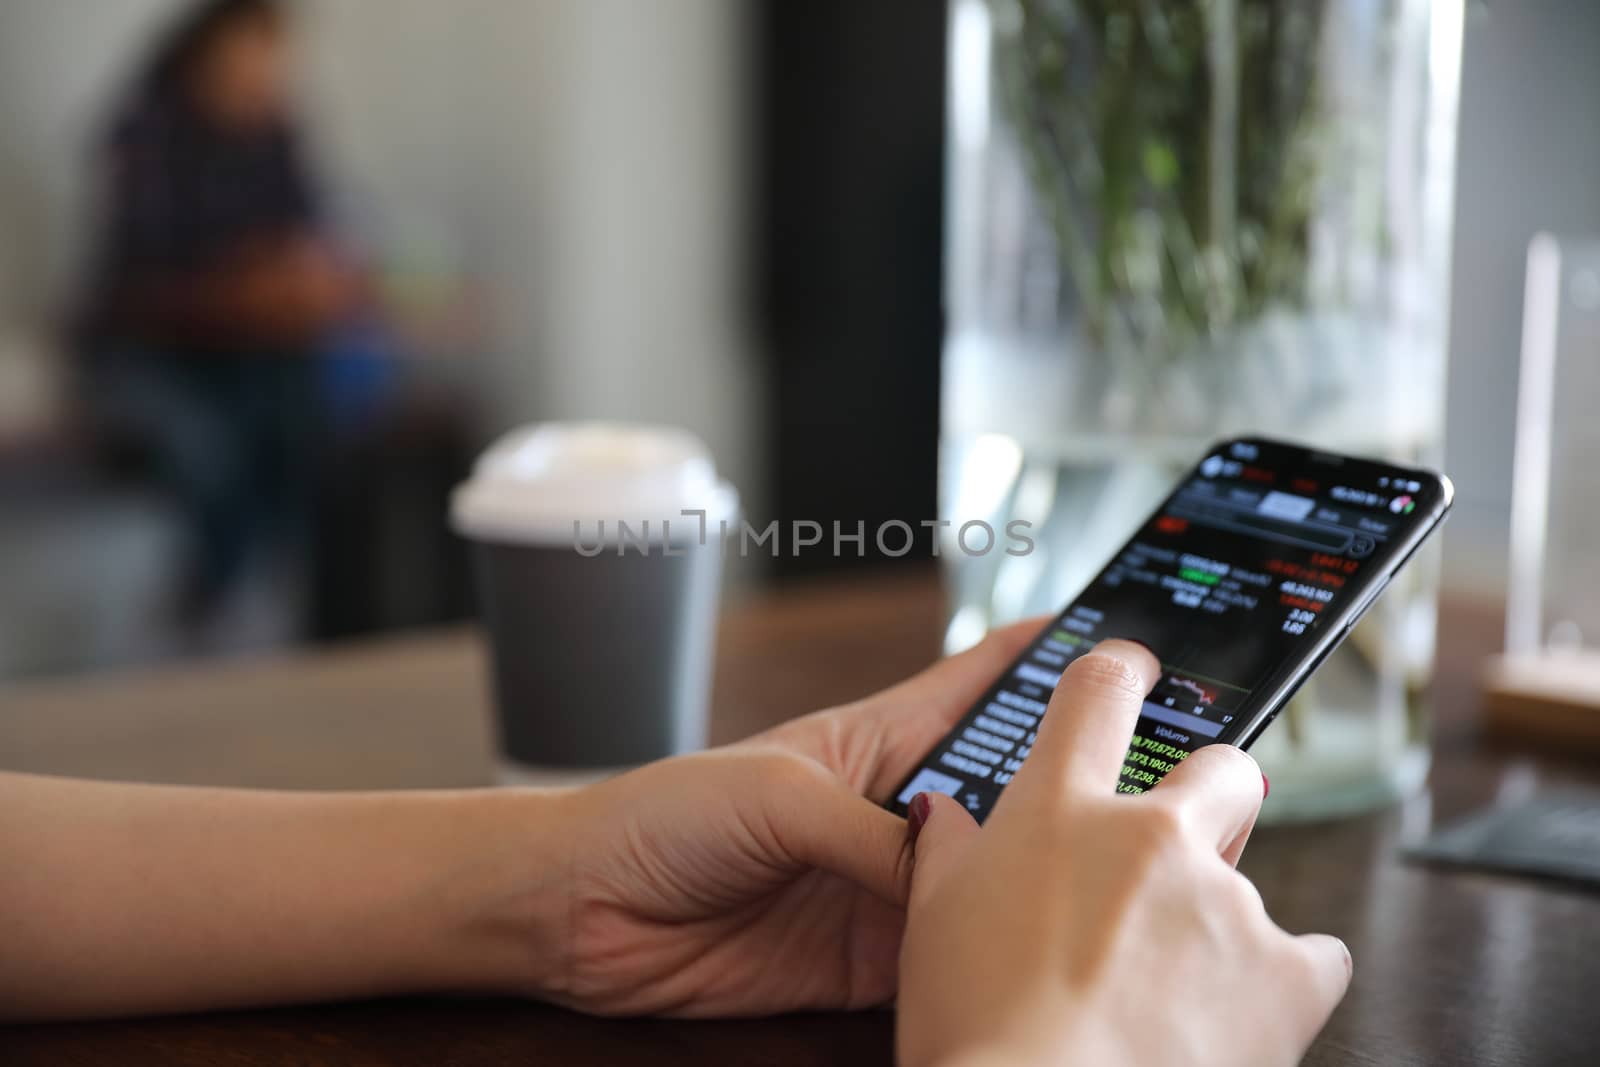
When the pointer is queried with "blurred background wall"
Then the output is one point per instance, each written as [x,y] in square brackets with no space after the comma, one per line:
[1528,159]
[715,213]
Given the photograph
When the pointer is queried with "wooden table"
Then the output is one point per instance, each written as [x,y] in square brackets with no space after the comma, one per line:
[1450,967]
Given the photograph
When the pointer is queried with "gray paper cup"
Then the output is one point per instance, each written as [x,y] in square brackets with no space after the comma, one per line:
[598,551]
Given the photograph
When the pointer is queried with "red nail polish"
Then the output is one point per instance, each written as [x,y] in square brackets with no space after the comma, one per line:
[917,813]
[1266,786]
[1142,644]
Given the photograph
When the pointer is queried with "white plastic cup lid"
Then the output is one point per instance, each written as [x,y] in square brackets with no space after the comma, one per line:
[536,482]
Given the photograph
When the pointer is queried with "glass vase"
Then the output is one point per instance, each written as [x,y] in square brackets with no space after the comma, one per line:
[1174,221]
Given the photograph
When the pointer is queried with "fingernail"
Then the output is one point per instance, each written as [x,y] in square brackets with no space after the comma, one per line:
[1266,786]
[1349,961]
[917,813]
[1144,645]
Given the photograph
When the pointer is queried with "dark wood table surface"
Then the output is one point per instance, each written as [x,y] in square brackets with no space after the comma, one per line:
[1451,967]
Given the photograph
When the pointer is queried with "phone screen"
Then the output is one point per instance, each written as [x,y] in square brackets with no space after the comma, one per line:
[1241,581]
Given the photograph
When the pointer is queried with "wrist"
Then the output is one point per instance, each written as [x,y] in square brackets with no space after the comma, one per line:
[1006,1040]
[503,895]
[1068,1031]
[994,1055]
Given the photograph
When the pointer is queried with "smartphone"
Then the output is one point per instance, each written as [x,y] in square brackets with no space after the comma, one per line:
[1242,582]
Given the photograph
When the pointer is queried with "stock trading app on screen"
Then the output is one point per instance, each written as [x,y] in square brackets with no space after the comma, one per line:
[1238,568]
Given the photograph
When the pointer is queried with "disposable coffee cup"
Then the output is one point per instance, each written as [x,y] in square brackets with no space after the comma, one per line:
[598,552]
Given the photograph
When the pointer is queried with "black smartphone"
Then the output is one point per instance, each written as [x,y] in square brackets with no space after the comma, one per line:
[1242,582]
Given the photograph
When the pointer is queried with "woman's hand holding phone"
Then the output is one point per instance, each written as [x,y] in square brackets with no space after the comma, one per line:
[1085,926]
[762,877]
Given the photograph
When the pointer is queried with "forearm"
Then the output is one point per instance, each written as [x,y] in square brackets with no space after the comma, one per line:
[276,289]
[224,308]
[122,899]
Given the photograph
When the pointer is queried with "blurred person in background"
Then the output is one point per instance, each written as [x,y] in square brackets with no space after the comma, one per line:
[215,288]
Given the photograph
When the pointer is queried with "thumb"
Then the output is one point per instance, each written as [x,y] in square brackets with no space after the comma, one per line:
[816,819]
[940,830]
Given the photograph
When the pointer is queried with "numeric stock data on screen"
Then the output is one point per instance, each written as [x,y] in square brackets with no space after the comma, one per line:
[1241,566]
